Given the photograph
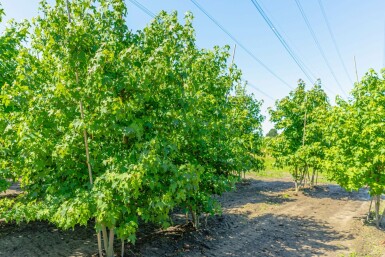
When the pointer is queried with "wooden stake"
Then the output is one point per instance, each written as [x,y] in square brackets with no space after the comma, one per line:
[355,65]
[235,48]
[85,139]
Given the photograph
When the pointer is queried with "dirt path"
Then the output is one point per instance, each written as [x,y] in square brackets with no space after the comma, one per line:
[261,218]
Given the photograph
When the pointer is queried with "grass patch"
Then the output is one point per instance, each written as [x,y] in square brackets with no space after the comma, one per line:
[271,171]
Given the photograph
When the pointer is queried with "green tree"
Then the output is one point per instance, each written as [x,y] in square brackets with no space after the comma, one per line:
[118,127]
[272,133]
[300,146]
[11,41]
[356,138]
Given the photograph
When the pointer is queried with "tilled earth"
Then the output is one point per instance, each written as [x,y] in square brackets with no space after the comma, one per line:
[263,217]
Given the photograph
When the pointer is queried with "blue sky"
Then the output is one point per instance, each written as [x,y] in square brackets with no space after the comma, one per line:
[358,26]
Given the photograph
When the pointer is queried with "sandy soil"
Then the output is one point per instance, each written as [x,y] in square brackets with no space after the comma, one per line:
[263,217]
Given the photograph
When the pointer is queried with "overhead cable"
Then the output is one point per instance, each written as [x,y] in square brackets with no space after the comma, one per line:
[316,41]
[282,40]
[240,44]
[334,40]
[143,8]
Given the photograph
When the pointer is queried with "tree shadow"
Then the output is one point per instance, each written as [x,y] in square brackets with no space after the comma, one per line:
[257,191]
[336,192]
[44,239]
[235,235]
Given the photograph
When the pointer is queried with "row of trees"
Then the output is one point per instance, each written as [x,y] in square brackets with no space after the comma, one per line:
[101,123]
[345,141]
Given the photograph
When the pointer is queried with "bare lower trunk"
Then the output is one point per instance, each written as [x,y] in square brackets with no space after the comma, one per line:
[105,238]
[312,177]
[122,254]
[377,209]
[296,179]
[110,250]
[195,218]
[382,216]
[100,244]
[370,208]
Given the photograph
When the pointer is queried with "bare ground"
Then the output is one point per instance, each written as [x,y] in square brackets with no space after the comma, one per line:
[263,217]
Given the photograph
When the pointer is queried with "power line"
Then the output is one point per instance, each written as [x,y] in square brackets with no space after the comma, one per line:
[281,39]
[287,38]
[308,25]
[149,13]
[143,8]
[240,44]
[334,40]
[259,90]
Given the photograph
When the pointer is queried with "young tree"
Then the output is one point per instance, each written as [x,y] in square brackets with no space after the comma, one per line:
[11,41]
[121,127]
[272,133]
[300,145]
[355,133]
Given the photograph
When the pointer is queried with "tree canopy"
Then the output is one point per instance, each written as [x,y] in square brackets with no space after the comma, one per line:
[122,127]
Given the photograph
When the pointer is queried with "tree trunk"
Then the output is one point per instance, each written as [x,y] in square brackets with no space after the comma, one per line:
[312,177]
[99,237]
[377,210]
[296,186]
[122,253]
[105,237]
[370,208]
[110,250]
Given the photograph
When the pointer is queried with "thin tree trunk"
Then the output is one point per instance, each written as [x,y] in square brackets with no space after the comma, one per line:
[312,177]
[377,209]
[105,237]
[122,254]
[186,216]
[110,251]
[100,244]
[85,136]
[86,142]
[296,186]
[370,208]
[296,179]
[382,216]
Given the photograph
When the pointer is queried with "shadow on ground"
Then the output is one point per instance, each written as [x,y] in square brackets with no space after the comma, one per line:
[235,235]
[232,234]
[336,192]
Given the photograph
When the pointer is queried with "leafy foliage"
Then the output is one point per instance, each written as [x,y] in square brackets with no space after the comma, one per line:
[355,133]
[272,133]
[10,46]
[301,143]
[168,124]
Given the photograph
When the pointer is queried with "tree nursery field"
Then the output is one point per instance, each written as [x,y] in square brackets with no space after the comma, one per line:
[262,217]
[114,142]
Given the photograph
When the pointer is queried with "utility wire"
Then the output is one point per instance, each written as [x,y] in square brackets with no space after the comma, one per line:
[281,39]
[334,40]
[143,8]
[151,14]
[287,38]
[316,41]
[240,44]
[259,90]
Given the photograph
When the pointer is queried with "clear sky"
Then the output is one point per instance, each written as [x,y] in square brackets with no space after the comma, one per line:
[358,27]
